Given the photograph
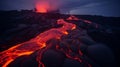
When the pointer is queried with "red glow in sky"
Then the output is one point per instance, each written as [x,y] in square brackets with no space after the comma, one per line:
[42,8]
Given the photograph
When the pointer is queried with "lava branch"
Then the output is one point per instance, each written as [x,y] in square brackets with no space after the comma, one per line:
[39,42]
[78,56]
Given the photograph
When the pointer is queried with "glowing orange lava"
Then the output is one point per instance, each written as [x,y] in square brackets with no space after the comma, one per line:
[72,18]
[39,43]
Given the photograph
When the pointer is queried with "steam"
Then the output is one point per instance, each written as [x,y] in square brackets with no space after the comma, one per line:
[94,7]
[64,6]
[48,5]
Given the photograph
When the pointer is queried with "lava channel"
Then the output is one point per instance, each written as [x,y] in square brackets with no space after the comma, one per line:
[39,42]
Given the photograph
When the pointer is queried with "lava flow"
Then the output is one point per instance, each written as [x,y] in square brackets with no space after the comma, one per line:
[39,43]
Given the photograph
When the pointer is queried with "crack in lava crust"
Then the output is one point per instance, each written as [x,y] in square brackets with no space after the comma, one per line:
[39,43]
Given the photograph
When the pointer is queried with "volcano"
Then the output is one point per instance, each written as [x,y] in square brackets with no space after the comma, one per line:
[65,43]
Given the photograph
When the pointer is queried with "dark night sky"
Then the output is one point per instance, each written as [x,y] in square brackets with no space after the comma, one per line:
[92,7]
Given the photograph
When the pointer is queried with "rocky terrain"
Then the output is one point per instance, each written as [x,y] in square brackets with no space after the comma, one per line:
[31,39]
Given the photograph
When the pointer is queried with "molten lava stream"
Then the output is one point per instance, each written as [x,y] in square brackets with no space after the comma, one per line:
[39,42]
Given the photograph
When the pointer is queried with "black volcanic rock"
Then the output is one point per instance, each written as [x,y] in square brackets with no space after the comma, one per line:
[17,27]
[24,61]
[52,58]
